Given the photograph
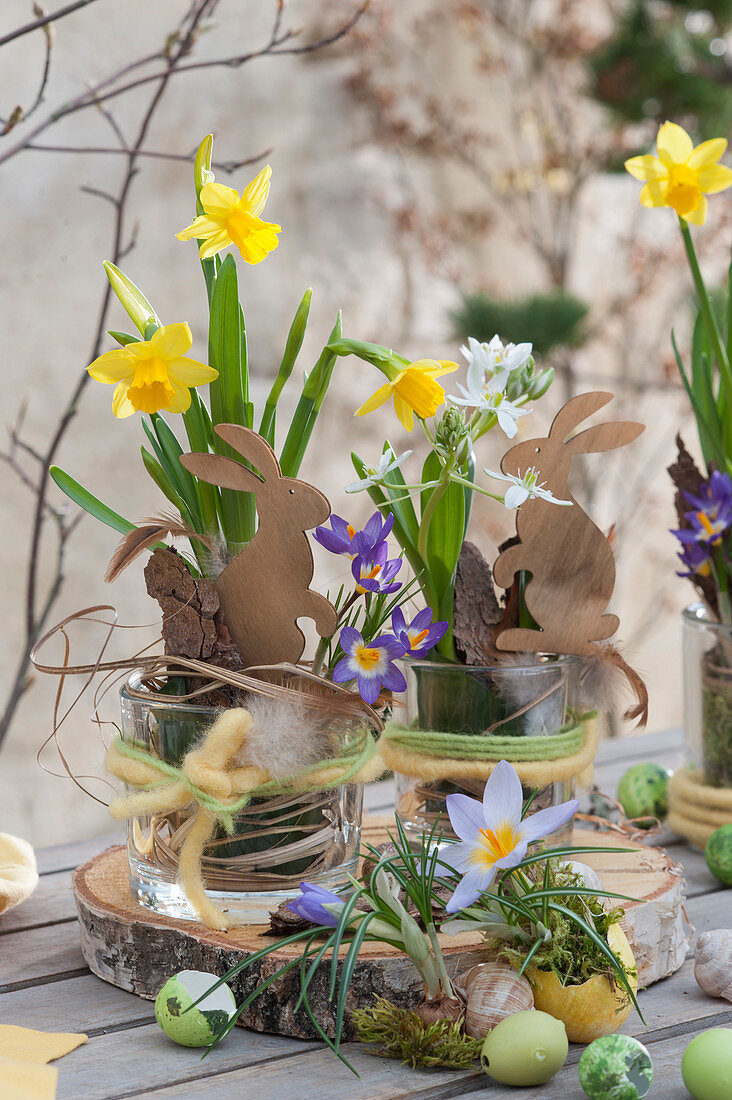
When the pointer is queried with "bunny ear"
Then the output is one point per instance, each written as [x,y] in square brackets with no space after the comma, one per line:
[575,411]
[227,473]
[604,437]
[252,447]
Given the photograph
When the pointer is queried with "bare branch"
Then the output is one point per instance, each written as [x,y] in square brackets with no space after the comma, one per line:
[178,46]
[273,48]
[227,166]
[44,20]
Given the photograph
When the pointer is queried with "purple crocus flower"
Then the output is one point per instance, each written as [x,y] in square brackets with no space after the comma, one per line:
[493,835]
[370,665]
[420,635]
[310,904]
[343,538]
[712,515]
[695,556]
[373,572]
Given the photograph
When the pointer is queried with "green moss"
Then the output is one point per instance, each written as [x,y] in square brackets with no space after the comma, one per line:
[570,952]
[717,735]
[398,1033]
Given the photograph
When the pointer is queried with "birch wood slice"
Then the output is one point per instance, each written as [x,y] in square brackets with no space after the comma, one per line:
[138,950]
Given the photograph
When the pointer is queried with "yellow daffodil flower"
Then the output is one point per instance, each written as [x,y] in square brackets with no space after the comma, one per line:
[153,374]
[230,218]
[414,390]
[681,176]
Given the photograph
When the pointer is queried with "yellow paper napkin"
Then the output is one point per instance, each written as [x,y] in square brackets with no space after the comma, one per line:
[18,871]
[27,1080]
[27,1045]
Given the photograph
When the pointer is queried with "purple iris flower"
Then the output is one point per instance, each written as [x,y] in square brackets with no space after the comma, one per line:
[712,515]
[373,572]
[420,635]
[343,538]
[309,905]
[370,665]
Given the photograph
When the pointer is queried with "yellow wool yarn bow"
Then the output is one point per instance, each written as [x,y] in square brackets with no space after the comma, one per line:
[211,777]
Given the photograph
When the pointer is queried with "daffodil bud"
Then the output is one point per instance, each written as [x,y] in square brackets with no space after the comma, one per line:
[139,310]
[202,173]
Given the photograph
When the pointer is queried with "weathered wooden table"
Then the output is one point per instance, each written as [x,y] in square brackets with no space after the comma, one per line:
[45,984]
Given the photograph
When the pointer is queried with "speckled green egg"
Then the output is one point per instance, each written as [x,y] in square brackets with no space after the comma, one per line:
[718,854]
[707,1065]
[197,1027]
[527,1048]
[616,1067]
[643,791]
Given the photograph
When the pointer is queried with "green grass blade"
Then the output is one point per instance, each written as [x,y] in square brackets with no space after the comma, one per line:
[197,424]
[89,503]
[229,393]
[166,487]
[293,344]
[313,394]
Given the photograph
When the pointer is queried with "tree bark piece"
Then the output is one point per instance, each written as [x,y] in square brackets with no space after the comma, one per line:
[138,950]
[476,609]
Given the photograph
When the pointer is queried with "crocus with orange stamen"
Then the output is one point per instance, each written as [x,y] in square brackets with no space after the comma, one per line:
[492,834]
[419,636]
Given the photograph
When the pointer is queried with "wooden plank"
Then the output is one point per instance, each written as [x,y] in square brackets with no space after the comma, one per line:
[320,1074]
[40,955]
[122,1063]
[51,903]
[65,857]
[85,1004]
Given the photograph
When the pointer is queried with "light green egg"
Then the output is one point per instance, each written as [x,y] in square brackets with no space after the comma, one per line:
[707,1065]
[527,1048]
[718,854]
[643,791]
[198,1026]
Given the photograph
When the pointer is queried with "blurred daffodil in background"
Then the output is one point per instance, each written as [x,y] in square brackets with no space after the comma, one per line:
[229,218]
[681,176]
[153,374]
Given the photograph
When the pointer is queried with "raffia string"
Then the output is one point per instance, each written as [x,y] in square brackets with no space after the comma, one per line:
[696,810]
[210,777]
[539,761]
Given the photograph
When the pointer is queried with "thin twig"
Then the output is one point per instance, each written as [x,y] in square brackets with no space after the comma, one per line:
[227,166]
[44,20]
[273,48]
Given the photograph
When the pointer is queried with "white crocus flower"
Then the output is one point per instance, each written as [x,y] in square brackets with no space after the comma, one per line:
[375,475]
[495,356]
[525,488]
[487,393]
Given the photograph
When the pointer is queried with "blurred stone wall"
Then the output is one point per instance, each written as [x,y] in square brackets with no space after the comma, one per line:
[334,192]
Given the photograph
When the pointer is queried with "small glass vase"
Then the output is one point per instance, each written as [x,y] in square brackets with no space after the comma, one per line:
[707,666]
[277,842]
[518,700]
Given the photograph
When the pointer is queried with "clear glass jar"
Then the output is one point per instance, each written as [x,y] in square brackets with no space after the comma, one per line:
[707,667]
[518,700]
[277,842]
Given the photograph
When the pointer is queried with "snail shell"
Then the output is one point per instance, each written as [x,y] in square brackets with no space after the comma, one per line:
[713,963]
[494,991]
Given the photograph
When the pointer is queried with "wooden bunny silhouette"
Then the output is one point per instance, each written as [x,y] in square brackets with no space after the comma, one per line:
[266,588]
[569,558]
